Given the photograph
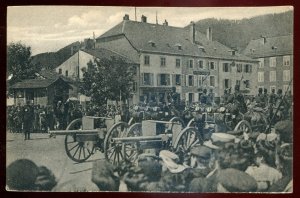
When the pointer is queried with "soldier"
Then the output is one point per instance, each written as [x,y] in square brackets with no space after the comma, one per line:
[174,98]
[211,97]
[266,97]
[204,97]
[271,102]
[259,99]
[28,117]
[238,99]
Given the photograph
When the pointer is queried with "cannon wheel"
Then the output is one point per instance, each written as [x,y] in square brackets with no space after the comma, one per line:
[114,151]
[186,139]
[77,151]
[244,126]
[178,120]
[131,150]
[191,122]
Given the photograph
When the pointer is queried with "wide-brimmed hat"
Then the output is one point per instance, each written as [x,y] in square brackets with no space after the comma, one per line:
[171,161]
[222,137]
[210,145]
[285,129]
[201,151]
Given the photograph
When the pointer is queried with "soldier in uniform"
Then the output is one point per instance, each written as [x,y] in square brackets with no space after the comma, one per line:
[211,97]
[259,99]
[28,118]
[204,97]
[271,102]
[266,97]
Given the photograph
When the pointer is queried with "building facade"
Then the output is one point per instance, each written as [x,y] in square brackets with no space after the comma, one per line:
[275,55]
[177,57]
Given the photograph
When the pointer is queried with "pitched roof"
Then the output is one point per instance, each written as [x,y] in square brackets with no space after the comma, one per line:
[279,45]
[51,74]
[166,39]
[106,53]
[34,83]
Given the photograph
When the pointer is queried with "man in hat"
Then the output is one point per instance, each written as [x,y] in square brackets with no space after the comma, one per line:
[28,119]
[204,97]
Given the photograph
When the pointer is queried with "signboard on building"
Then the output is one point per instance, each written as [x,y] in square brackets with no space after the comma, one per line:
[201,72]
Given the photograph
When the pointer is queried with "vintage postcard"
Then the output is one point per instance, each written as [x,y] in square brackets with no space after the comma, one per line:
[149,99]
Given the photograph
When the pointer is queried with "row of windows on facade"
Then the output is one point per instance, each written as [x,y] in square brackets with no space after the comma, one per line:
[273,87]
[147,79]
[285,77]
[286,61]
[201,64]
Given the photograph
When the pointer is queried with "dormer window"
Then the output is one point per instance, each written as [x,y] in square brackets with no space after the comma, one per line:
[178,45]
[151,43]
[232,52]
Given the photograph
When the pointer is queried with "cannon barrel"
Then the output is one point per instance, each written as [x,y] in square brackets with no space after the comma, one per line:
[141,138]
[70,132]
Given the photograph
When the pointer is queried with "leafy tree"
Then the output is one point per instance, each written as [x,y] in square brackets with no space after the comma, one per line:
[19,65]
[108,78]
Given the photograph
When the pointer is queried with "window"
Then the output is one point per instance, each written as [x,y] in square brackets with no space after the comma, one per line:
[146,60]
[273,87]
[286,60]
[239,68]
[67,73]
[164,79]
[226,83]
[178,62]
[261,63]
[191,80]
[247,83]
[162,61]
[201,64]
[178,79]
[212,81]
[212,65]
[248,68]
[200,80]
[147,79]
[286,75]
[225,67]
[260,77]
[272,76]
[60,71]
[272,61]
[191,63]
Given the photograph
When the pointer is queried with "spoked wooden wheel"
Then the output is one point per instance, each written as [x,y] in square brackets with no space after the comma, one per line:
[78,151]
[131,150]
[113,150]
[243,126]
[187,139]
[178,121]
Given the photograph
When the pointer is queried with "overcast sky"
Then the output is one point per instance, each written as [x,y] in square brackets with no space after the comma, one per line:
[49,28]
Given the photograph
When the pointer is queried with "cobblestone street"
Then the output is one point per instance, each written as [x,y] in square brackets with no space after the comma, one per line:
[50,152]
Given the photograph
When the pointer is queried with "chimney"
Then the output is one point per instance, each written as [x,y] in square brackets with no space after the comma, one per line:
[126,17]
[209,33]
[144,19]
[192,31]
[165,23]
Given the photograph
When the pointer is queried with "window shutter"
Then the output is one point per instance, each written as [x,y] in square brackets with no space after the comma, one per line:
[186,97]
[196,97]
[168,79]
[195,80]
[182,80]
[186,80]
[142,78]
[158,79]
[223,67]
[152,79]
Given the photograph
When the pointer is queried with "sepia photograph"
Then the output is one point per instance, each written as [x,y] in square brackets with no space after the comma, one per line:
[149,99]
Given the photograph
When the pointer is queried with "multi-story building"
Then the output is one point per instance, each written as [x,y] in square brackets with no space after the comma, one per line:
[178,57]
[275,55]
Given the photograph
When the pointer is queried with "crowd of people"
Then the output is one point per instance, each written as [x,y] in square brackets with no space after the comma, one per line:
[225,163]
